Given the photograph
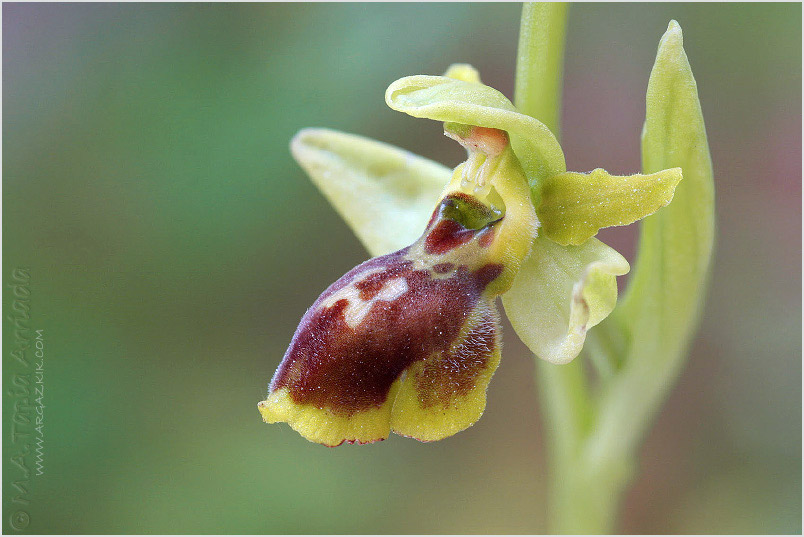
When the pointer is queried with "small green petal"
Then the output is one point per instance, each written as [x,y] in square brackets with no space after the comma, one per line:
[384,193]
[561,292]
[449,100]
[463,71]
[576,205]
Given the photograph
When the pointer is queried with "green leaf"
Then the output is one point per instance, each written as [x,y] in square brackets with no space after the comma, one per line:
[652,328]
[561,292]
[675,246]
[450,100]
[576,205]
[385,194]
[539,62]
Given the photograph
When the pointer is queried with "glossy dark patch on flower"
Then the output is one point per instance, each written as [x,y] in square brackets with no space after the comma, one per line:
[457,219]
[447,235]
[455,372]
[348,369]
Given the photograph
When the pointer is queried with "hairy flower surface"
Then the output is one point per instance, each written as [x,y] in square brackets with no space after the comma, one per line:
[408,341]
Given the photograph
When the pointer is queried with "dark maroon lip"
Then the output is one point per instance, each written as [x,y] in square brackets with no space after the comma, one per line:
[351,368]
[332,365]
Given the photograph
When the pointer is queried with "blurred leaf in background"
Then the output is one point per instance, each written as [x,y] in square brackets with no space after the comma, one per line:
[174,244]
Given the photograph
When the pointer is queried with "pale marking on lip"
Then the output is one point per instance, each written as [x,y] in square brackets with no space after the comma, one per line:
[357,308]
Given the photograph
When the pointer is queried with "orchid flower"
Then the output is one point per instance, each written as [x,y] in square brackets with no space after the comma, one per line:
[408,341]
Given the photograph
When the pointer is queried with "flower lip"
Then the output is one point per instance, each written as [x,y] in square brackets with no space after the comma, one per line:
[404,342]
[373,313]
[343,365]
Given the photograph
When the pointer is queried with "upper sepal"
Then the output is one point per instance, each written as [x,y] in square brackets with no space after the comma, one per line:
[471,103]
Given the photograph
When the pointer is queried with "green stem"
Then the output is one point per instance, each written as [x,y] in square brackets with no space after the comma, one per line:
[585,488]
[540,59]
[593,435]
[585,484]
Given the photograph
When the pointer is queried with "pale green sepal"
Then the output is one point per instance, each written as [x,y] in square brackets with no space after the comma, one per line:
[384,193]
[449,100]
[576,205]
[561,292]
[463,71]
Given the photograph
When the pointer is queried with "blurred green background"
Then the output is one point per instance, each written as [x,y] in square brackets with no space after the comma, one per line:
[174,245]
